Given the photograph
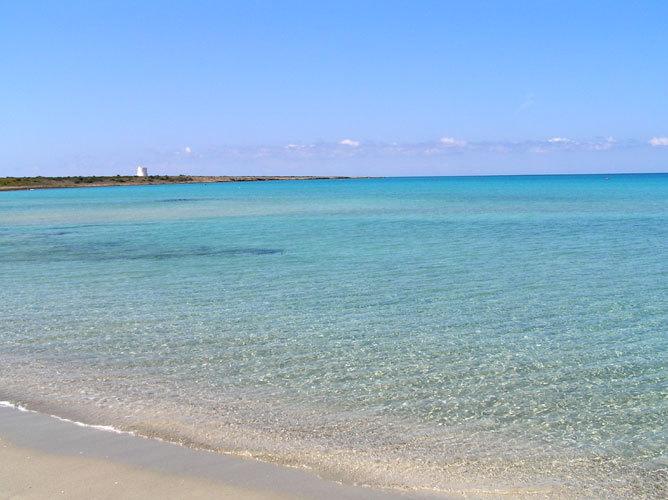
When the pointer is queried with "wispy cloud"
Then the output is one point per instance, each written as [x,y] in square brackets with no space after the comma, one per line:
[442,147]
[553,144]
[659,141]
[298,147]
[451,142]
[526,103]
[559,140]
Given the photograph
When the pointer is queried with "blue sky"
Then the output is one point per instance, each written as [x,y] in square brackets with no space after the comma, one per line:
[366,88]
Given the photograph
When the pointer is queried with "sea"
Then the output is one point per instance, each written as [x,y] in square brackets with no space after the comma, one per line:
[476,336]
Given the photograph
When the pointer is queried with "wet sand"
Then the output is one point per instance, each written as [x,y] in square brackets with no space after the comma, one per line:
[42,457]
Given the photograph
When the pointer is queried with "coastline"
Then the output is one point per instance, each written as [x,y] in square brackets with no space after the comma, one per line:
[327,326]
[30,183]
[43,455]
[378,470]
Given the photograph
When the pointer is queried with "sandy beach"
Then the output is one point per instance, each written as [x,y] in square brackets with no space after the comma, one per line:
[27,473]
[42,457]
[333,250]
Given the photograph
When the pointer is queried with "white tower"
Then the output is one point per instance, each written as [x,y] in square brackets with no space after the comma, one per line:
[142,172]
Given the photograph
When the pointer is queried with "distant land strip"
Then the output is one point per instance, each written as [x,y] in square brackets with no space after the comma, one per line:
[19,183]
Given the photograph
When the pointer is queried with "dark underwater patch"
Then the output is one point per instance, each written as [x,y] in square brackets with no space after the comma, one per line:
[209,252]
[32,235]
[180,200]
[100,252]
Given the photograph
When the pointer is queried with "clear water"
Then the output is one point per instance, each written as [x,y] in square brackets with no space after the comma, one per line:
[499,335]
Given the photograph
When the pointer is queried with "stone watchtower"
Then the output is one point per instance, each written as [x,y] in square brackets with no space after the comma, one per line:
[142,172]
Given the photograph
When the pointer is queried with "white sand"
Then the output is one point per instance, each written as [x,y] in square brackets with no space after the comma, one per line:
[44,457]
[26,473]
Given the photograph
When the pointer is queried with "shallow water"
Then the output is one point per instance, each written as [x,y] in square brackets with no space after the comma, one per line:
[475,335]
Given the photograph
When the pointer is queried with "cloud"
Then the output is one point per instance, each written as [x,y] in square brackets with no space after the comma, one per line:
[451,142]
[559,140]
[443,147]
[526,103]
[566,144]
[604,145]
[659,141]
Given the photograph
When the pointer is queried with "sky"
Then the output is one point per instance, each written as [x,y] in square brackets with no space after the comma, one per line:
[347,88]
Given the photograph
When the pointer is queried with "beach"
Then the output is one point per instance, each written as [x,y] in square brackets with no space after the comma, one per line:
[481,337]
[334,250]
[42,456]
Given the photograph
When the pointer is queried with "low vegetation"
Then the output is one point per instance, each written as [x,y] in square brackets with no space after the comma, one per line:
[15,183]
[68,181]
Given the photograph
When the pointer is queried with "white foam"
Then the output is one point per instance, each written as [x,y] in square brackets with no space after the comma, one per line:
[105,428]
[8,404]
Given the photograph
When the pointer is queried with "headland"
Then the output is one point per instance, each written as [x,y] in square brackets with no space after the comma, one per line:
[23,183]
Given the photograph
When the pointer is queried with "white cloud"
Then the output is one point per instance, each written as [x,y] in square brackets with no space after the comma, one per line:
[604,145]
[451,142]
[432,151]
[559,140]
[445,146]
[659,141]
[564,143]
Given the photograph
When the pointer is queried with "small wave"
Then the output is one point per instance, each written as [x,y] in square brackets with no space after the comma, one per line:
[105,428]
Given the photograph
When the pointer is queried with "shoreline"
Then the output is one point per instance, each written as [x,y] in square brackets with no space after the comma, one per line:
[157,180]
[32,183]
[83,461]
[321,460]
[328,326]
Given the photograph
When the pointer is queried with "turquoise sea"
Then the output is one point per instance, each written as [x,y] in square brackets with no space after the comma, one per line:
[471,335]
